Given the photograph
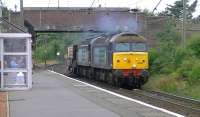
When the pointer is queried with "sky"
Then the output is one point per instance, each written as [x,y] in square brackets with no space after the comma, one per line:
[143,4]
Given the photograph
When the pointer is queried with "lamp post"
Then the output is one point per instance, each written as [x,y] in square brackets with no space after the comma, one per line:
[58,56]
[58,3]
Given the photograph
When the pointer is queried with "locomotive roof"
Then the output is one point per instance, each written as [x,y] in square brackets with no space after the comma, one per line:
[87,41]
[125,37]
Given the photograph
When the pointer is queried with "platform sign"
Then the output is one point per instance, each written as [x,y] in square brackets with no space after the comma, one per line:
[15,61]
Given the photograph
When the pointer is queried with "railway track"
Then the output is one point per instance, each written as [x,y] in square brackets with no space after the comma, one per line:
[185,106]
[178,99]
[181,105]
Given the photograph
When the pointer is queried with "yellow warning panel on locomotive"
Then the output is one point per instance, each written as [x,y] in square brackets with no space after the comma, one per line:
[130,60]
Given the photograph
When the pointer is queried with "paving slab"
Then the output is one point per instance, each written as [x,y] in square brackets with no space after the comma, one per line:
[3,104]
[54,95]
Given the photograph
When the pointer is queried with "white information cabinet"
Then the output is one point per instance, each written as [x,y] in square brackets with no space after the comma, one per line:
[15,61]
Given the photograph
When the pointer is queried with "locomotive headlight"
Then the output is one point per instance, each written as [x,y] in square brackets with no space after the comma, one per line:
[125,59]
[134,66]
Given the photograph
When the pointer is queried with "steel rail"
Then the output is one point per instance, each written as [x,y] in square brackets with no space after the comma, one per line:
[167,103]
[189,101]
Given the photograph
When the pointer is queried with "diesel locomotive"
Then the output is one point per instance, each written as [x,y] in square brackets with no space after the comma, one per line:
[119,59]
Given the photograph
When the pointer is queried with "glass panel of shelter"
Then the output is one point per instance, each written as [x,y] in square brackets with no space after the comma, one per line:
[15,62]
[13,79]
[15,45]
[14,59]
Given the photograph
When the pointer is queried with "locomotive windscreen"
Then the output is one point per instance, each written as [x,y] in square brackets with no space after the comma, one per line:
[125,47]
[138,47]
[83,56]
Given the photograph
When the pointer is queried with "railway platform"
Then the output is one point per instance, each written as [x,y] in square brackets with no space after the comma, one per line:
[56,95]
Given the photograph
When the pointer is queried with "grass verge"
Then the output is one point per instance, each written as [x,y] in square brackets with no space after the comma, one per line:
[173,85]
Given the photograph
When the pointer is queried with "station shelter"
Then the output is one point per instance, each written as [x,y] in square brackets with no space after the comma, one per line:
[15,61]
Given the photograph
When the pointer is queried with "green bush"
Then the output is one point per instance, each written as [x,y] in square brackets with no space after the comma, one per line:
[190,69]
[160,62]
[175,69]
[169,35]
[194,75]
[164,59]
[180,55]
[153,60]
[185,68]
[194,45]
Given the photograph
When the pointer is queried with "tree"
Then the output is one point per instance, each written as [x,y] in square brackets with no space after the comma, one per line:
[176,10]
[148,13]
[162,59]
[5,11]
[196,19]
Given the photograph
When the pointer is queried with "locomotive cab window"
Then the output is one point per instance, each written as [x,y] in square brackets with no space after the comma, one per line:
[121,47]
[100,56]
[83,56]
[139,47]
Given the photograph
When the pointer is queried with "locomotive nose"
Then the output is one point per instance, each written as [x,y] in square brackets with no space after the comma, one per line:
[130,60]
